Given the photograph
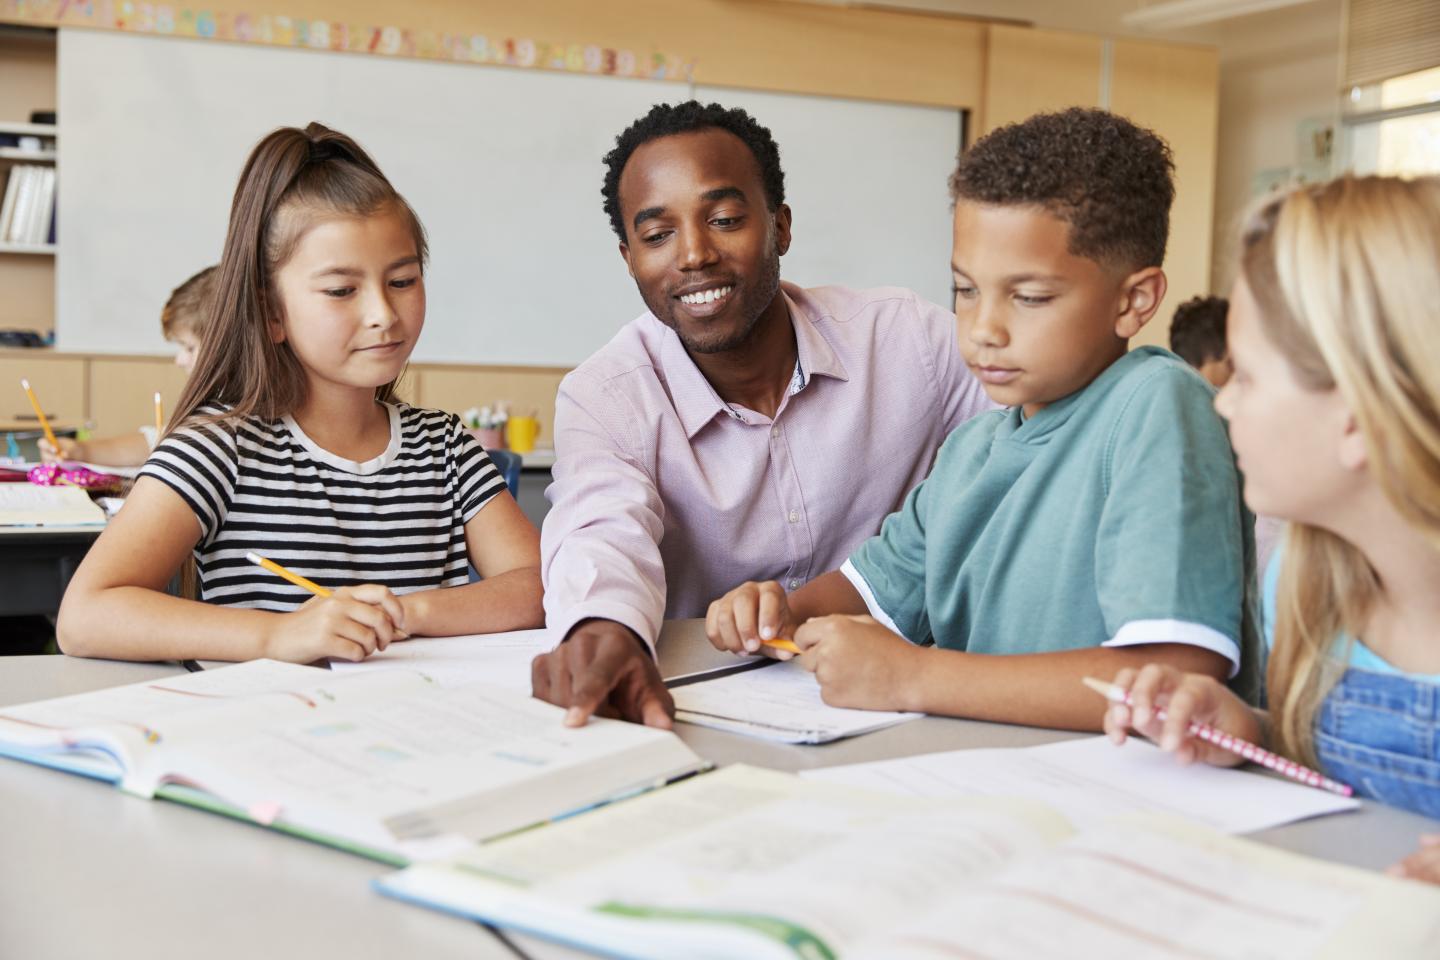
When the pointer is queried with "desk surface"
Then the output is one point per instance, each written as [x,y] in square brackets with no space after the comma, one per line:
[87,872]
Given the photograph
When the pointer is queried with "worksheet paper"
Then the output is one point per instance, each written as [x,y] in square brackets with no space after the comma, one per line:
[1091,781]
[780,702]
[501,659]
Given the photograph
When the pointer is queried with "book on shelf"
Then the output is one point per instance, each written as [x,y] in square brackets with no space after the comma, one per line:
[752,863]
[27,212]
[389,765]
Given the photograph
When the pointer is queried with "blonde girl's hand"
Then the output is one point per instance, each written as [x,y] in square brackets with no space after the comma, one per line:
[350,624]
[69,450]
[742,620]
[1423,864]
[1185,697]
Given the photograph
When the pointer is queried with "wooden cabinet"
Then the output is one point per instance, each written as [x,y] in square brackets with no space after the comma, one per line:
[58,382]
[122,391]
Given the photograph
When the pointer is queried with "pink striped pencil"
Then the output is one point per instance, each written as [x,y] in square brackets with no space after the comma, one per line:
[1223,740]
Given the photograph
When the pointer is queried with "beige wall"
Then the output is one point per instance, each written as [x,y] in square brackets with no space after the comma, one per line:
[1275,69]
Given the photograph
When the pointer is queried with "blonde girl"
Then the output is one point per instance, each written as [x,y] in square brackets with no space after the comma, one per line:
[289,442]
[1334,412]
[183,322]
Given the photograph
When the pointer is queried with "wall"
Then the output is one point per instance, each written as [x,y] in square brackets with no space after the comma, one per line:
[1275,70]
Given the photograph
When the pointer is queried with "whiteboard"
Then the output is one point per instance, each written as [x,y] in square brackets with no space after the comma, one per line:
[502,165]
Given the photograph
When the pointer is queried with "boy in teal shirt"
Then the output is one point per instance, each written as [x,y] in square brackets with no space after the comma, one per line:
[1095,524]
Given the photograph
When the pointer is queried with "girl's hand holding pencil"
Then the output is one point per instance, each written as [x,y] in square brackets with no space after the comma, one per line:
[345,624]
[1184,698]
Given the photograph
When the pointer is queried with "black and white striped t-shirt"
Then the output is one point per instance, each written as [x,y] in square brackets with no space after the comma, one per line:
[264,486]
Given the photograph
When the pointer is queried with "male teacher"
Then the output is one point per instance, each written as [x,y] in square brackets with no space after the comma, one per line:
[742,429]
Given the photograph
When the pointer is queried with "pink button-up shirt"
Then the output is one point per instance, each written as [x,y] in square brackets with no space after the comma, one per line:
[665,497]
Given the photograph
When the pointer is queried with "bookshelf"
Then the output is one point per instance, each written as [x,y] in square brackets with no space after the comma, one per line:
[28,82]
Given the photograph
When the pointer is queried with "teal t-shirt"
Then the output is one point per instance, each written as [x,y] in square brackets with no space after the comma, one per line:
[1116,504]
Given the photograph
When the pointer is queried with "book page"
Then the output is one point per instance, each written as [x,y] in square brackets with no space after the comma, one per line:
[28,505]
[112,732]
[501,659]
[1091,781]
[737,861]
[780,702]
[425,771]
[1151,889]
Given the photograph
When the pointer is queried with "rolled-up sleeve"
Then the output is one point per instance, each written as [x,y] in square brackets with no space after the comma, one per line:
[600,544]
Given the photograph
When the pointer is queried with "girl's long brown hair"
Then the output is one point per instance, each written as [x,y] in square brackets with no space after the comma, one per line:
[1345,275]
[292,179]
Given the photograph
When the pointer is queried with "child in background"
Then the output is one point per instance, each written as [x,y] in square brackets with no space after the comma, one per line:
[1197,335]
[1334,411]
[1097,521]
[183,322]
[289,442]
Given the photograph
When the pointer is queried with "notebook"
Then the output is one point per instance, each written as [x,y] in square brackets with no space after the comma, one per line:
[390,765]
[774,701]
[753,863]
[28,505]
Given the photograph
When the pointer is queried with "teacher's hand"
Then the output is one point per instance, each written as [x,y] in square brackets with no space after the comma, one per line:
[602,668]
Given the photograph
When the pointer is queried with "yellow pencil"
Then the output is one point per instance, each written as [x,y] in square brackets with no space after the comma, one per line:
[44,424]
[780,643]
[159,416]
[294,578]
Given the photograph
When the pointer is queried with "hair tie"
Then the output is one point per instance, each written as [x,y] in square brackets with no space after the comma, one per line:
[321,150]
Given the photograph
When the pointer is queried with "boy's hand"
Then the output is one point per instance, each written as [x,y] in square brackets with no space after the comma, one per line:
[1423,864]
[70,449]
[861,664]
[752,613]
[1184,697]
[350,624]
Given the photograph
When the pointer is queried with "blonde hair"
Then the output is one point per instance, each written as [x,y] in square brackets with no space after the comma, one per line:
[1345,275]
[188,308]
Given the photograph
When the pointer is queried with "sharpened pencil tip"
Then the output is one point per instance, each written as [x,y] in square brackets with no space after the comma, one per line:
[1106,690]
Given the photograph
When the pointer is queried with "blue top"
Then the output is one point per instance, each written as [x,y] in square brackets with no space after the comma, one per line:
[1361,656]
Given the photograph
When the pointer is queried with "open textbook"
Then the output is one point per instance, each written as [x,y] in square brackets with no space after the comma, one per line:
[775,701]
[390,765]
[751,863]
[1090,780]
[28,505]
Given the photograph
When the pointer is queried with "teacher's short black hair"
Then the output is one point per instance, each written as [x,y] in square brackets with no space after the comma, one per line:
[1110,180]
[668,119]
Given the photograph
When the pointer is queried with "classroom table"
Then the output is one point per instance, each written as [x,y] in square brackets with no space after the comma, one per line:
[85,872]
[36,564]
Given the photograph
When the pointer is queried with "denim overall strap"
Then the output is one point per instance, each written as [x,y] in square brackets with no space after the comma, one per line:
[1380,733]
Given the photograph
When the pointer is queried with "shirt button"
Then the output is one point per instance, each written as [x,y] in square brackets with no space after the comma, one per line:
[794,517]
[775,433]
[794,584]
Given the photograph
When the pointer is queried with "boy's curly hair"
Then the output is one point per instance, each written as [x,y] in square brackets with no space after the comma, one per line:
[668,119]
[1109,179]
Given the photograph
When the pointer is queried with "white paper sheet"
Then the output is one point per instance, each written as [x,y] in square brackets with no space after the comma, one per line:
[1090,781]
[780,702]
[501,659]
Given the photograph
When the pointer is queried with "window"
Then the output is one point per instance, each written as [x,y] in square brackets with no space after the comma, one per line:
[1393,127]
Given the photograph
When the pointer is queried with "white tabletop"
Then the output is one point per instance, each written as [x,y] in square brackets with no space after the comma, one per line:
[86,872]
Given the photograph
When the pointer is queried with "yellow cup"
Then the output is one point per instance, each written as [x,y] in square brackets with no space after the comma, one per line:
[520,433]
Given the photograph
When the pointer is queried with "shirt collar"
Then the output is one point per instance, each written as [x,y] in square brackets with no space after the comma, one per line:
[697,403]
